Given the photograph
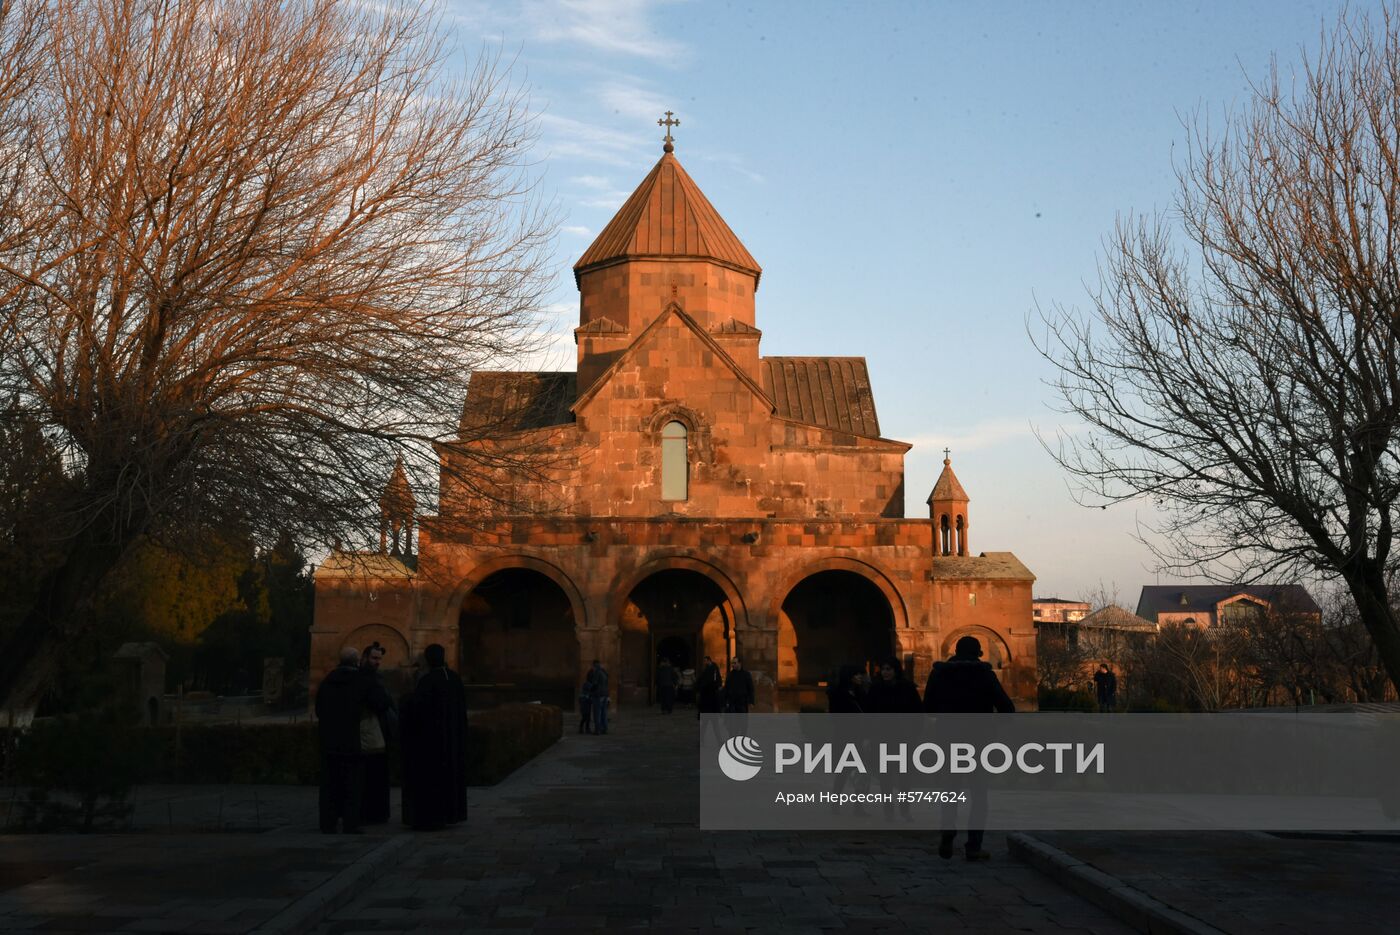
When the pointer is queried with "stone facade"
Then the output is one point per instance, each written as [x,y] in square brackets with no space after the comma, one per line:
[698,499]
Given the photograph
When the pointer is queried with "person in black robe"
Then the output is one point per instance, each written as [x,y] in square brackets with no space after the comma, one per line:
[667,678]
[435,747]
[707,689]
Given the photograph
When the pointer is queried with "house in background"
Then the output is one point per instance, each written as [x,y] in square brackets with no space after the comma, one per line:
[1207,606]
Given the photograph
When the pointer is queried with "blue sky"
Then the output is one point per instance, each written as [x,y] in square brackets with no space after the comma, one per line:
[914,179]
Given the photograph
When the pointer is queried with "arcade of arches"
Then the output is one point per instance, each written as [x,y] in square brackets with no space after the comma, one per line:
[701,498]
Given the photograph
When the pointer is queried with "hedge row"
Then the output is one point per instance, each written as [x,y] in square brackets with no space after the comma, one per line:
[64,754]
[501,740]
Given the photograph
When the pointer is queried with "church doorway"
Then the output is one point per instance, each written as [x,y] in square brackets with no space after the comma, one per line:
[679,614]
[518,641]
[828,620]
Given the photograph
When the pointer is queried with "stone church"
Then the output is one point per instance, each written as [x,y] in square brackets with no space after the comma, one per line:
[700,499]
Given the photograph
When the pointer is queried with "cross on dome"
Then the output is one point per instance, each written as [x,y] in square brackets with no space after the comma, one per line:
[668,123]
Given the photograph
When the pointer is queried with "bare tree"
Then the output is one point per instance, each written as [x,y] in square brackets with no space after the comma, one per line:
[251,251]
[1245,375]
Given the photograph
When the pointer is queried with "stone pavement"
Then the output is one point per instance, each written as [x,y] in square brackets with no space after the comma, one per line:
[1248,882]
[599,834]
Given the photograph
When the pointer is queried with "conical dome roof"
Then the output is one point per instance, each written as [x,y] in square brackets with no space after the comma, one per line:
[947,486]
[668,216]
[398,493]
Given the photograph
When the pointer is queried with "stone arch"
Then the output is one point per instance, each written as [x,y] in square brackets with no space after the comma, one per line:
[994,647]
[517,619]
[810,647]
[868,570]
[489,567]
[707,615]
[624,583]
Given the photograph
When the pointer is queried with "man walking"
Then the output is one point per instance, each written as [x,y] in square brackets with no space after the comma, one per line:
[738,688]
[707,689]
[966,685]
[600,698]
[666,681]
[1106,687]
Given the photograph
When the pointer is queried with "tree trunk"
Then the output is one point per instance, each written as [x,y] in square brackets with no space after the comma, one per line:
[1366,582]
[31,653]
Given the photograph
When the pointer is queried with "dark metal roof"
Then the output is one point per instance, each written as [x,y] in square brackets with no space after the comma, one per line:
[833,392]
[1166,598]
[512,401]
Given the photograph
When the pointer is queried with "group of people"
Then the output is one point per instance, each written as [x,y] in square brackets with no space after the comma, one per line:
[358,723]
[714,693]
[962,684]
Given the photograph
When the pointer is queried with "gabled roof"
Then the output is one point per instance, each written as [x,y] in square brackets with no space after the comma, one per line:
[1166,598]
[947,486]
[988,566]
[668,216]
[1114,617]
[694,326]
[833,392]
[513,401]
[340,564]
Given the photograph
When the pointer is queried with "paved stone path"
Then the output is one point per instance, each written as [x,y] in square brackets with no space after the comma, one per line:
[599,834]
[1249,882]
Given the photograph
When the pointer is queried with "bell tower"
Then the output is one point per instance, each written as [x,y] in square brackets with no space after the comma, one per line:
[947,507]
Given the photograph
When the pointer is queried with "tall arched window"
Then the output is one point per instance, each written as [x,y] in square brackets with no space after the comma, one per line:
[962,537]
[945,536]
[675,462]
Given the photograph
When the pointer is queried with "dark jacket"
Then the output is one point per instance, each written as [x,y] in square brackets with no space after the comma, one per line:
[965,685]
[1106,685]
[344,696]
[738,690]
[842,697]
[895,697]
[667,677]
[707,689]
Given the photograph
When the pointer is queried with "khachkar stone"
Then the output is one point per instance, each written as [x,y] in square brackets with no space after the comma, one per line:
[702,499]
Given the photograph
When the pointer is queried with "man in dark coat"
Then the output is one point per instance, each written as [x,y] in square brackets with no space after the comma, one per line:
[966,685]
[843,695]
[667,678]
[707,689]
[892,693]
[342,697]
[379,723]
[738,688]
[1106,687]
[435,747]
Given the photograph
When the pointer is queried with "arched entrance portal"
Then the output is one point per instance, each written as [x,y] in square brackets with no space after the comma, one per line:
[518,641]
[828,620]
[676,613]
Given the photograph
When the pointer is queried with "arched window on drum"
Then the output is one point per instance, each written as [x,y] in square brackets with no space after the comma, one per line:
[675,462]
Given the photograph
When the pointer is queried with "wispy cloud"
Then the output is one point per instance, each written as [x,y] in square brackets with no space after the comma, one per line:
[566,136]
[633,101]
[590,181]
[578,230]
[622,27]
[735,164]
[988,434]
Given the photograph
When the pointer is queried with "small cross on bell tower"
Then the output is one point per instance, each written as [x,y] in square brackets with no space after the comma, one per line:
[668,141]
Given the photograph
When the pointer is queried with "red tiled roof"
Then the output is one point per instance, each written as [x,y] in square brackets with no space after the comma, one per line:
[833,392]
[668,216]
